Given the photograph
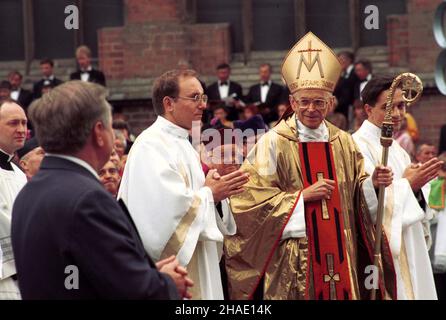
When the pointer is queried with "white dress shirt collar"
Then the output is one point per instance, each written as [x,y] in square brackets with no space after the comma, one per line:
[76,160]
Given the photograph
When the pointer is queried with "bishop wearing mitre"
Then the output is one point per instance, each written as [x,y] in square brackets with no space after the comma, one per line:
[303,228]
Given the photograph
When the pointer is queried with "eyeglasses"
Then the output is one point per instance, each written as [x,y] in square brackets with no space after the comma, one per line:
[197,98]
[319,104]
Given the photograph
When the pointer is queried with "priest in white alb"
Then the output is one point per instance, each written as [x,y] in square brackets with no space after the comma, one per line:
[12,137]
[169,198]
[403,215]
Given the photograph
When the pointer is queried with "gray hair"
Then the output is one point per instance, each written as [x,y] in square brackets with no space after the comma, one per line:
[64,117]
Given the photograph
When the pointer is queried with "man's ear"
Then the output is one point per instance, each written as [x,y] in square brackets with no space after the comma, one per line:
[24,165]
[368,109]
[293,103]
[98,134]
[167,104]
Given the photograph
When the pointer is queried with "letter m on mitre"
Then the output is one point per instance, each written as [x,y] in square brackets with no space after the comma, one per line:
[309,64]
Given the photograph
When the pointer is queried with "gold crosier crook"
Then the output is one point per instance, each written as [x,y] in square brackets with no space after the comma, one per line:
[412,89]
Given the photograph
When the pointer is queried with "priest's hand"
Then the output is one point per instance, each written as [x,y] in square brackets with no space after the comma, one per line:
[420,174]
[319,190]
[382,176]
[225,186]
[172,267]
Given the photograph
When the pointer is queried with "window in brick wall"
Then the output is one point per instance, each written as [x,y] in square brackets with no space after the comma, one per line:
[218,11]
[11,30]
[330,21]
[385,7]
[273,25]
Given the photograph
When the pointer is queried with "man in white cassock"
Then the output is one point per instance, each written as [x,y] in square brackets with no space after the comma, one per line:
[12,137]
[166,191]
[403,215]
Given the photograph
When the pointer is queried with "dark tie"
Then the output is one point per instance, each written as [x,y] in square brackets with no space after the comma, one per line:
[265,84]
[223,83]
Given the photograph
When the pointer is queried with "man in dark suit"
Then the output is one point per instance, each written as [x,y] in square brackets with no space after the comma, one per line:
[86,72]
[225,92]
[344,91]
[70,238]
[22,96]
[363,70]
[48,78]
[267,94]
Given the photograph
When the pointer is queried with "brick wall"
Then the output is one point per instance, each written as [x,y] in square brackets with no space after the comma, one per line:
[154,39]
[142,11]
[398,40]
[430,114]
[423,50]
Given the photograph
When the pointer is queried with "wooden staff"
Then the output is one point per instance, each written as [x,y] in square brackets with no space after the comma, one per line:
[411,84]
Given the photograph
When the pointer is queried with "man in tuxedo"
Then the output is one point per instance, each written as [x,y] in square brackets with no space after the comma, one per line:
[344,91]
[86,72]
[225,92]
[70,238]
[48,78]
[22,96]
[266,94]
[363,69]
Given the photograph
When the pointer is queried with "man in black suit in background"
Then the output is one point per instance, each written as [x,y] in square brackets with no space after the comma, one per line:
[344,91]
[267,94]
[70,238]
[48,78]
[22,96]
[86,72]
[225,92]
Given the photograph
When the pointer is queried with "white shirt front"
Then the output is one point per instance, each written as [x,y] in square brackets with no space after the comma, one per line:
[264,89]
[15,94]
[223,90]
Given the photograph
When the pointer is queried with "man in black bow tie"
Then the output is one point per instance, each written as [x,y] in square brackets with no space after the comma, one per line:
[363,69]
[86,72]
[48,78]
[225,92]
[266,94]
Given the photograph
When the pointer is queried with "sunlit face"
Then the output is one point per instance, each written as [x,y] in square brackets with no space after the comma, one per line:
[376,113]
[223,74]
[12,127]
[83,60]
[426,153]
[308,113]
[110,178]
[264,73]
[30,162]
[46,69]
[183,110]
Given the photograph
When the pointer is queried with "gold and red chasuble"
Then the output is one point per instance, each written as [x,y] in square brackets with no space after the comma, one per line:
[325,227]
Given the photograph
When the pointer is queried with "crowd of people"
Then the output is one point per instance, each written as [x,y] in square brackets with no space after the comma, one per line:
[238,216]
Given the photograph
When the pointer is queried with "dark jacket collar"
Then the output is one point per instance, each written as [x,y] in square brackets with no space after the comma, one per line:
[50,163]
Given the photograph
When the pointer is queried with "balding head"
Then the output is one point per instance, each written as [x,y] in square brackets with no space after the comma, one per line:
[12,126]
